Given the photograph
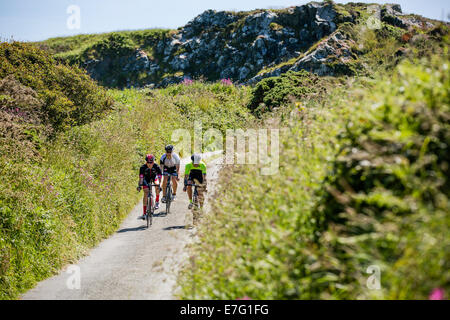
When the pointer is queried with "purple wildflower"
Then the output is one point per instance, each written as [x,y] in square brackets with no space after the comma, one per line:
[187,82]
[437,294]
[227,82]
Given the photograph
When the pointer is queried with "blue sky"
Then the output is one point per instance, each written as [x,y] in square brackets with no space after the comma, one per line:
[31,20]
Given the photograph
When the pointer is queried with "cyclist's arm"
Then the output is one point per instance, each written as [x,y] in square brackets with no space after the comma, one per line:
[204,172]
[177,163]
[141,177]
[187,171]
[158,172]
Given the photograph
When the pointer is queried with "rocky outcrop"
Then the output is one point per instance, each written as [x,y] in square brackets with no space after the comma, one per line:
[229,45]
[331,56]
[222,45]
[392,14]
[240,46]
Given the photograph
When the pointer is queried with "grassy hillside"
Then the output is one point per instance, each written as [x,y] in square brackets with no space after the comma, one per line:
[76,48]
[67,182]
[113,48]
[66,96]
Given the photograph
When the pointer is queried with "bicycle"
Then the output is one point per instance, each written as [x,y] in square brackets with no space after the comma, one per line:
[169,190]
[150,205]
[195,201]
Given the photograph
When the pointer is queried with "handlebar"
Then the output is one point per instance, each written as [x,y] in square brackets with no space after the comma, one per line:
[193,185]
[149,185]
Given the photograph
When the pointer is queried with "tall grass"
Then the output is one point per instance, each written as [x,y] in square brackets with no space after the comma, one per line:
[363,180]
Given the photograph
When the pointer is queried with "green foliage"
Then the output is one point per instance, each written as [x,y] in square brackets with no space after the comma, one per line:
[273,92]
[112,49]
[115,44]
[386,199]
[74,191]
[215,105]
[362,180]
[275,26]
[69,96]
[72,48]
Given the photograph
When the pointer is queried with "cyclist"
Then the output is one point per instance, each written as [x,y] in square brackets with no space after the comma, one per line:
[148,174]
[170,163]
[195,171]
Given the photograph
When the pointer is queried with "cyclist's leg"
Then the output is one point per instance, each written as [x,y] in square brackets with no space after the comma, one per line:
[201,198]
[189,192]
[146,192]
[164,185]
[199,191]
[174,185]
[155,181]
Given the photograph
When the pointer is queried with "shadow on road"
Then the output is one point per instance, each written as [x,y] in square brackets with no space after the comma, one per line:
[175,228]
[161,214]
[132,229]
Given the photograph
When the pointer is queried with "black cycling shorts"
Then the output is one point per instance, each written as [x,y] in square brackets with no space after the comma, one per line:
[172,170]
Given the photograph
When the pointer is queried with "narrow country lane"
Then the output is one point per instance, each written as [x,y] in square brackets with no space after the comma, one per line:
[134,263]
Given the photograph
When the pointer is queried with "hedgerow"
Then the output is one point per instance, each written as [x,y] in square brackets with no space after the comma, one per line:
[362,181]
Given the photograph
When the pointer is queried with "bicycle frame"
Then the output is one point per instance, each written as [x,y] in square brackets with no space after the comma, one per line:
[150,205]
[195,202]
[195,195]
[169,190]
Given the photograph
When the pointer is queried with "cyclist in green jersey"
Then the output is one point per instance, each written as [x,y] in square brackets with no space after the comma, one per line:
[195,172]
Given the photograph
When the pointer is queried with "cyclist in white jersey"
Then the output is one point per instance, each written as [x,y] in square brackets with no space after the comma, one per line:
[170,163]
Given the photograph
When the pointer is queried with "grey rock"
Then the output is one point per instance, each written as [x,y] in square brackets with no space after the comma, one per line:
[243,72]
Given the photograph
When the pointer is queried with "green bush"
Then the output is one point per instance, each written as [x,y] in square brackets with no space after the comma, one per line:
[115,44]
[273,92]
[386,201]
[69,96]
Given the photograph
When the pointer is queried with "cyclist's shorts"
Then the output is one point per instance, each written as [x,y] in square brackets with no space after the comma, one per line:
[172,170]
[146,183]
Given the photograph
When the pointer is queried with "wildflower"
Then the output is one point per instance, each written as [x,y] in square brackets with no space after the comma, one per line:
[437,294]
[187,81]
[227,82]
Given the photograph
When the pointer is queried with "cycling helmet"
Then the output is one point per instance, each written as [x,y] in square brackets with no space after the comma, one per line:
[150,158]
[169,148]
[196,158]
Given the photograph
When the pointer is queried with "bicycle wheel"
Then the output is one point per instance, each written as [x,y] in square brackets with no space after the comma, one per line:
[149,214]
[195,200]
[168,199]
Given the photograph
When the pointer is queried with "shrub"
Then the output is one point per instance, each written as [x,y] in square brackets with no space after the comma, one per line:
[386,201]
[273,92]
[69,96]
[115,45]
